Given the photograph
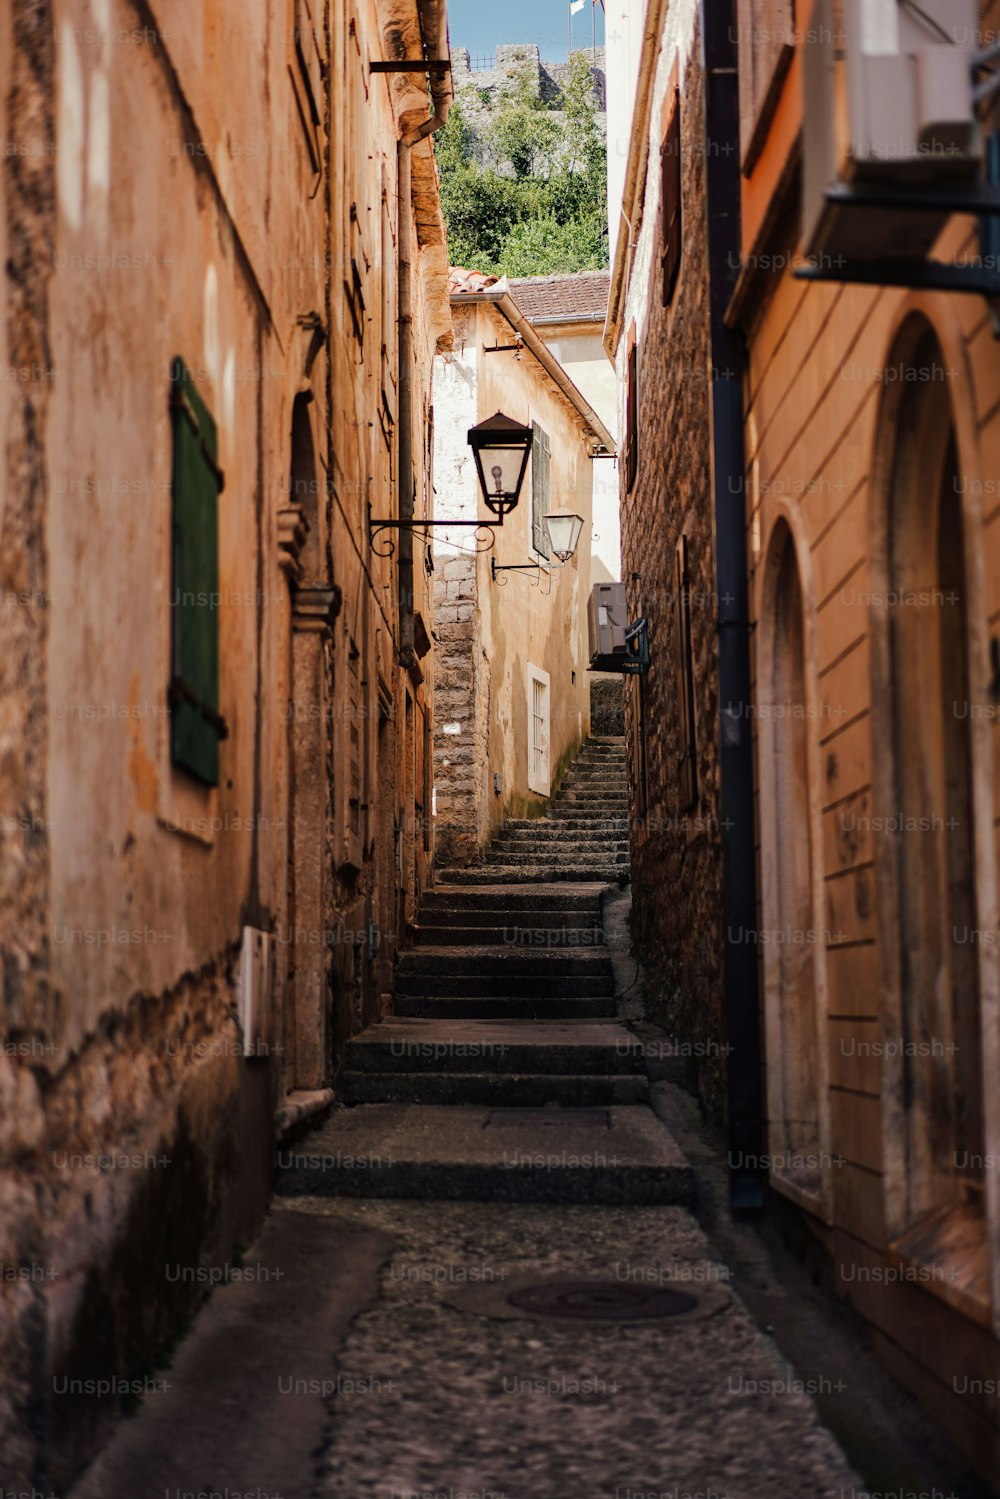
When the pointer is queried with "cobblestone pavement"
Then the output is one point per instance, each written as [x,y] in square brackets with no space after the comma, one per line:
[441,1392]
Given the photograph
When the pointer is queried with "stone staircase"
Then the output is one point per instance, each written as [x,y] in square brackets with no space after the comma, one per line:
[503,1073]
[583,837]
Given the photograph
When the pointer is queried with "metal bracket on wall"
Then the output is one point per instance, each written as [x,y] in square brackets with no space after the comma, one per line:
[421,528]
[980,199]
[634,660]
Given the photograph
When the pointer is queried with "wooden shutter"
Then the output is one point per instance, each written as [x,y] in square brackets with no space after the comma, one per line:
[196,725]
[687,778]
[632,414]
[670,197]
[766,46]
[306,69]
[541,480]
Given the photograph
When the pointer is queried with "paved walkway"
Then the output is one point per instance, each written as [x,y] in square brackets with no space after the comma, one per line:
[317,1384]
[486,1279]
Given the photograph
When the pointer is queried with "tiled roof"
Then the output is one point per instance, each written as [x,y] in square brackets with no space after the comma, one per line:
[461,280]
[583,296]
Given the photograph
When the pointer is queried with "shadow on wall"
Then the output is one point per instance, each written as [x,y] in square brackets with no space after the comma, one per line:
[607,705]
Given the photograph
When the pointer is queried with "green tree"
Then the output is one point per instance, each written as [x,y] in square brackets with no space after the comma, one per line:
[522,185]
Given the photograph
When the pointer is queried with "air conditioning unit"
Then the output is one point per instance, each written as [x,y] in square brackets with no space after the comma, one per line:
[607,618]
[888,103]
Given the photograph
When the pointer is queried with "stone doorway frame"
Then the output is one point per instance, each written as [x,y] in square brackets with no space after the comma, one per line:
[787,529]
[921,315]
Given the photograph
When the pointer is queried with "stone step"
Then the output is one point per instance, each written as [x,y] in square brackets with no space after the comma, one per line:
[511,962]
[541,1048]
[584,797]
[514,932]
[563,856]
[503,985]
[506,1090]
[599,825]
[452,1007]
[512,896]
[613,784]
[544,874]
[614,1156]
[557,841]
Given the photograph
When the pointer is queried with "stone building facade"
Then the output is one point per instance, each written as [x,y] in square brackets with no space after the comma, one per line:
[663,335]
[872,438]
[512,689]
[208,233]
[862,478]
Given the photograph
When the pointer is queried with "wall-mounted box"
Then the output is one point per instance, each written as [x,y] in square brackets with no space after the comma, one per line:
[888,101]
[255,986]
[607,618]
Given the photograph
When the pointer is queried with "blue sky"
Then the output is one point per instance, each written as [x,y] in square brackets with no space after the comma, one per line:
[480,24]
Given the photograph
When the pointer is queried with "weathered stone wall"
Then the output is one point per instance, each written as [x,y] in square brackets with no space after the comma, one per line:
[607,705]
[676,854]
[461,723]
[136,1141]
[492,630]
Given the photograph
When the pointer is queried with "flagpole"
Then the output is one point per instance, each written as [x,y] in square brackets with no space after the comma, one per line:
[569,29]
[593,31]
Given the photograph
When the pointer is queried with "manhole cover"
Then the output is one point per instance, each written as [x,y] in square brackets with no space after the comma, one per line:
[548,1119]
[601,1301]
[595,1302]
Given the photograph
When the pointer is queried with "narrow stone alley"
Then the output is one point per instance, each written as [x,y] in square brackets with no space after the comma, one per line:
[484,1277]
[499,749]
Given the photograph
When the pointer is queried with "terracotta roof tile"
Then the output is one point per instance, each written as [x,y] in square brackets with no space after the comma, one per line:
[461,280]
[583,296]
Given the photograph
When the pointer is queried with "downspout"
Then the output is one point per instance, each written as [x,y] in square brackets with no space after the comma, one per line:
[740,971]
[434,30]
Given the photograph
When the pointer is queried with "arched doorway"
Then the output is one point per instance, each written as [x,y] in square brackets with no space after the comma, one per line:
[924,702]
[792,953]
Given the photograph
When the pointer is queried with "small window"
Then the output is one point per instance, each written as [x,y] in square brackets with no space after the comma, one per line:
[670,197]
[539,772]
[196,726]
[687,769]
[541,486]
[632,414]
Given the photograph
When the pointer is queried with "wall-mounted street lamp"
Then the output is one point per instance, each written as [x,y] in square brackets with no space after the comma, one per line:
[564,530]
[501,448]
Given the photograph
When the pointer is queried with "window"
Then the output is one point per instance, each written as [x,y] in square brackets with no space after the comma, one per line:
[306,72]
[538,731]
[687,767]
[766,46]
[196,726]
[541,482]
[670,195]
[632,413]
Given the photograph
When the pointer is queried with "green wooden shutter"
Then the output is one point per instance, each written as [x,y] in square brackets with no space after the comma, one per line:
[541,464]
[196,725]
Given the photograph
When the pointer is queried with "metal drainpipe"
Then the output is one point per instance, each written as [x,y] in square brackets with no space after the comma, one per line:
[741,999]
[442,94]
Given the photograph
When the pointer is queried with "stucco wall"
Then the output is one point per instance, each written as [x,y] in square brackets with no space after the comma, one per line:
[500,628]
[160,200]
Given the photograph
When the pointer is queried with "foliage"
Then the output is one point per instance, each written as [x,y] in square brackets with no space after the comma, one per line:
[523,185]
